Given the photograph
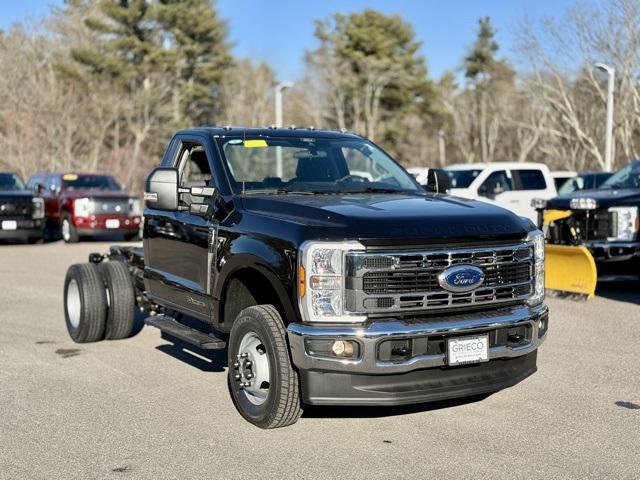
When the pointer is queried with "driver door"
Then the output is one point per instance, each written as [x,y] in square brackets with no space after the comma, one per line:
[177,243]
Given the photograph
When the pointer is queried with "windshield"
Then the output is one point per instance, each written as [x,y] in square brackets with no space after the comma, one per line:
[312,165]
[626,177]
[89,182]
[462,178]
[10,181]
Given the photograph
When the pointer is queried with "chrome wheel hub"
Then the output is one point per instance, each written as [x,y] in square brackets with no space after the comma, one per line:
[73,303]
[66,230]
[252,371]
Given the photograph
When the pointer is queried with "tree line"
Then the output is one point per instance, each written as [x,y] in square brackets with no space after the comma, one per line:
[100,85]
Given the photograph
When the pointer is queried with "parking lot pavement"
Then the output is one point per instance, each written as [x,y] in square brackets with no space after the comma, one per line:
[138,408]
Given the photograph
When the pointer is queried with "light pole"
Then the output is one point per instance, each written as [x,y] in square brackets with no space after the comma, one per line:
[278,100]
[611,73]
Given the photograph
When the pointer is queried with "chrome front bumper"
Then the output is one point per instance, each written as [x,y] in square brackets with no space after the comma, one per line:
[371,334]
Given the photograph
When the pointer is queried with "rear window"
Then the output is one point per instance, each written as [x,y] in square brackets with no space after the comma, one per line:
[531,180]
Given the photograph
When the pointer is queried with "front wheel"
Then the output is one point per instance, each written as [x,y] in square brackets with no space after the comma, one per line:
[262,381]
[68,230]
[132,237]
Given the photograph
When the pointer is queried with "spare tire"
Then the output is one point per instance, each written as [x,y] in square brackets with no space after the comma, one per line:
[85,303]
[120,299]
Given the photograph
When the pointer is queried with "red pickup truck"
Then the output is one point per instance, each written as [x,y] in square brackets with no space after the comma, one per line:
[87,204]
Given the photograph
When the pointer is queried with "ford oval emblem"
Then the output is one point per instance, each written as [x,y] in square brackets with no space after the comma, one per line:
[461,278]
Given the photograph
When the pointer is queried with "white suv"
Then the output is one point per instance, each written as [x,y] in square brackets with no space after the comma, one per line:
[512,185]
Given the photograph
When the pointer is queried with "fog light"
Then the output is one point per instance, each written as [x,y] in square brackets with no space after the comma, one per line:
[332,348]
[342,349]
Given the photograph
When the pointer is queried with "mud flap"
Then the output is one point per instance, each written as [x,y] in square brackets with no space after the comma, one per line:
[570,269]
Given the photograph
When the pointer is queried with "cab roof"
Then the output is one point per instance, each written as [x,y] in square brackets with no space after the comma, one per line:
[292,131]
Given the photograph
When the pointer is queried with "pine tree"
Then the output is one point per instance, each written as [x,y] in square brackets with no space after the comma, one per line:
[484,71]
[180,41]
[198,54]
[372,71]
[128,49]
[480,60]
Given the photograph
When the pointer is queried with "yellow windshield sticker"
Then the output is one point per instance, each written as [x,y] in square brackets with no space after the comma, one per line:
[70,177]
[258,143]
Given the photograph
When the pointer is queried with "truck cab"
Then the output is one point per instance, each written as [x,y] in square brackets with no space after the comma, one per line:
[329,274]
[511,185]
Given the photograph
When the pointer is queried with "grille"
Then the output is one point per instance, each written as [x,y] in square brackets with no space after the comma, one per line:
[380,282]
[111,206]
[597,225]
[11,207]
[421,280]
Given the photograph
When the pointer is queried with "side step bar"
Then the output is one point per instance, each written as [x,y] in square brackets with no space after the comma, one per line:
[174,329]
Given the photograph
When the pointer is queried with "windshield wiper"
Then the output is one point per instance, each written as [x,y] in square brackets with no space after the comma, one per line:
[371,190]
[277,191]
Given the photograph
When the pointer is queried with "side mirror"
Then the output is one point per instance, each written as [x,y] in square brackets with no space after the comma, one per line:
[437,181]
[39,188]
[161,191]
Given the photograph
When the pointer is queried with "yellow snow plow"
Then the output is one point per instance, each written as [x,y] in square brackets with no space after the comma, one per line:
[569,268]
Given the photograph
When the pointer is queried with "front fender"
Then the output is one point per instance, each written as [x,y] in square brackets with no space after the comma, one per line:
[275,262]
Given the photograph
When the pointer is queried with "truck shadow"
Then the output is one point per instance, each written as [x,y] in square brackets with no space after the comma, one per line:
[620,290]
[387,411]
[204,360]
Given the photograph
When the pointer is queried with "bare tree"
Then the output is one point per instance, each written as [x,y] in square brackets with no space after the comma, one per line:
[559,76]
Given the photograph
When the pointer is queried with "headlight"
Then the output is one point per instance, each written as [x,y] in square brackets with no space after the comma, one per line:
[536,239]
[83,207]
[583,204]
[625,223]
[135,207]
[38,208]
[321,281]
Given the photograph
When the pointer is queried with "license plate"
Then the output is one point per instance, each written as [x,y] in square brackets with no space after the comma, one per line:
[9,225]
[465,350]
[112,223]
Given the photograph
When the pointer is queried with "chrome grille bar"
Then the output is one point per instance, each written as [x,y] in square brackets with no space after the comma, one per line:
[379,282]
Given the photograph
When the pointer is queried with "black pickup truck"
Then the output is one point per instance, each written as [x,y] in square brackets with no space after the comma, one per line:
[21,211]
[605,220]
[327,272]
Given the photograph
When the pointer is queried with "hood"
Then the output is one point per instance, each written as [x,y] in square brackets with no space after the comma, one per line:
[95,194]
[400,218]
[4,194]
[605,197]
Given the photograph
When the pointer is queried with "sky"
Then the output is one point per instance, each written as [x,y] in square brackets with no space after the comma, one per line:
[279,32]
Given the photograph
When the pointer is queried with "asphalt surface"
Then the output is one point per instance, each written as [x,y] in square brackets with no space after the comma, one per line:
[139,408]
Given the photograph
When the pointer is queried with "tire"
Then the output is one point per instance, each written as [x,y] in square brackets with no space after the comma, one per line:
[132,237]
[68,230]
[261,329]
[85,303]
[121,302]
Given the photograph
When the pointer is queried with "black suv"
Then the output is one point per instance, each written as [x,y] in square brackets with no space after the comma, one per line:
[328,272]
[21,213]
